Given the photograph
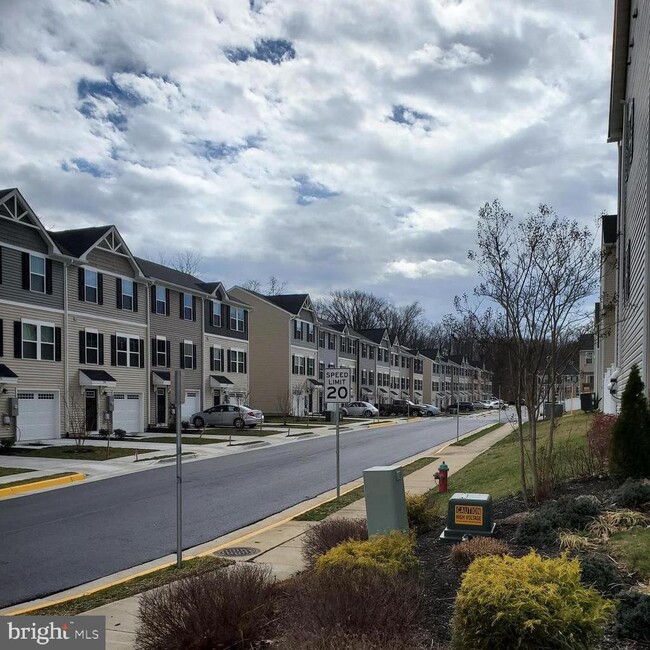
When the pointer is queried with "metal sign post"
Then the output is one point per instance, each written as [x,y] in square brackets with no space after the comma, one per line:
[457,419]
[337,391]
[178,381]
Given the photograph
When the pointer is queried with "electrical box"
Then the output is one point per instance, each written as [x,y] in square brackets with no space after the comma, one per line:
[468,514]
[13,406]
[385,499]
[110,403]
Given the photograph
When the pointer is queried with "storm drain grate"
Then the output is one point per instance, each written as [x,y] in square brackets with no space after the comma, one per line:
[237,551]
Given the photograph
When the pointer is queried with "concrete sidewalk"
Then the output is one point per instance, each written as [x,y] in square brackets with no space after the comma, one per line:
[276,540]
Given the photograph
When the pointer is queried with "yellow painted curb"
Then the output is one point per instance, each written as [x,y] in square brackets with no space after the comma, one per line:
[39,485]
[388,423]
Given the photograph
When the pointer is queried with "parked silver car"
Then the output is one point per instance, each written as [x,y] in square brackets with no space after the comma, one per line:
[431,409]
[359,410]
[228,415]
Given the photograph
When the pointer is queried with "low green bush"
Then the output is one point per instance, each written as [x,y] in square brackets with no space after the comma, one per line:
[392,554]
[7,443]
[633,493]
[633,616]
[535,531]
[601,573]
[417,512]
[120,434]
[528,602]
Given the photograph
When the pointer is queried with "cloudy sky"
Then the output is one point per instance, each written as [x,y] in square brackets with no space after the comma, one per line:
[331,143]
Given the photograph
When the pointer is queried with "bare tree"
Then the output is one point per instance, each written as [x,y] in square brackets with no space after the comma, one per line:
[284,404]
[76,420]
[357,309]
[536,274]
[187,261]
[274,286]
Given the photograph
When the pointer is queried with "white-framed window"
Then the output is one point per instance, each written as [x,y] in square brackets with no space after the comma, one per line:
[297,330]
[237,319]
[371,352]
[127,350]
[188,354]
[127,294]
[216,313]
[218,358]
[188,307]
[90,285]
[38,341]
[299,366]
[37,273]
[364,376]
[311,367]
[321,339]
[589,357]
[161,300]
[321,370]
[371,378]
[161,352]
[331,341]
[237,361]
[311,332]
[92,347]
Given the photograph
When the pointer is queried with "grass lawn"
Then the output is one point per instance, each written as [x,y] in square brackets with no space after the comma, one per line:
[9,471]
[325,509]
[632,547]
[69,452]
[187,440]
[35,480]
[244,432]
[142,460]
[476,436]
[158,578]
[496,471]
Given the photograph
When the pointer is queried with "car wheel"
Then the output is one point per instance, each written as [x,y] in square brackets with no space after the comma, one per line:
[199,423]
[239,423]
[367,414]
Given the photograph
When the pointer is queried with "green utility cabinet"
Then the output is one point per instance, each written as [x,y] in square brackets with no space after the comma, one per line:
[385,499]
[468,514]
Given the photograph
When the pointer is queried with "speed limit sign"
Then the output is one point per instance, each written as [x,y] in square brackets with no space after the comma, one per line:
[337,385]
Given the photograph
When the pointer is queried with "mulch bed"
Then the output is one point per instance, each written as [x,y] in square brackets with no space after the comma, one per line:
[442,579]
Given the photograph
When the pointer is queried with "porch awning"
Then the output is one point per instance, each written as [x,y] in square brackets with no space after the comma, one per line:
[217,381]
[315,382]
[394,392]
[384,391]
[161,377]
[7,376]
[96,378]
[365,389]
[417,392]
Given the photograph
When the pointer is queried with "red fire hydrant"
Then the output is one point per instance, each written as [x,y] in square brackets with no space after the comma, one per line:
[441,477]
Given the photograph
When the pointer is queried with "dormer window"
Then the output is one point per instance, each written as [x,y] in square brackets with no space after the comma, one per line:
[37,273]
[90,286]
[161,300]
[127,294]
[216,313]
[188,305]
[237,319]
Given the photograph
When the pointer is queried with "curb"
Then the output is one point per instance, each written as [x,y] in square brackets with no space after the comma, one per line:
[387,423]
[39,485]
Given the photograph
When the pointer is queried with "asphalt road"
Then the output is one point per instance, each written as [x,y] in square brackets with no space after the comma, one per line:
[56,540]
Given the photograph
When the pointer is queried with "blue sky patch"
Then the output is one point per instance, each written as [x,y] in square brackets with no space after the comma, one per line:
[405,115]
[84,166]
[275,51]
[109,89]
[309,191]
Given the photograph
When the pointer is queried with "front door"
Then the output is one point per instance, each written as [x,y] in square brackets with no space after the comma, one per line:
[91,410]
[161,405]
[216,398]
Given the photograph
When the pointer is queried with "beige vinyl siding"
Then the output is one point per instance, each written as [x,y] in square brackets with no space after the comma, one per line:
[128,380]
[22,235]
[109,307]
[269,358]
[241,383]
[175,330]
[36,375]
[427,378]
[633,314]
[11,287]
[113,262]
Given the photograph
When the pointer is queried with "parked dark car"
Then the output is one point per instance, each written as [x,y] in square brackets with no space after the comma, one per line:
[401,407]
[463,407]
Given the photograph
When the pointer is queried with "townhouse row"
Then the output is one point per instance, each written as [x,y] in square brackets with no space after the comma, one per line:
[90,337]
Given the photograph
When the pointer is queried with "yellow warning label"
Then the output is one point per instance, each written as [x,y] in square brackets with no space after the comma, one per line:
[468,515]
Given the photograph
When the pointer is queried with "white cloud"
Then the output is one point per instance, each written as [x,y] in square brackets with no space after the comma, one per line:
[428,269]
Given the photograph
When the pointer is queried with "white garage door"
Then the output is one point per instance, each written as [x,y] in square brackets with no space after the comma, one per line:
[127,412]
[191,404]
[38,415]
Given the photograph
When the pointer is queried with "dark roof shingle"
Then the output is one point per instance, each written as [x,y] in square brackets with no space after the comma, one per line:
[76,242]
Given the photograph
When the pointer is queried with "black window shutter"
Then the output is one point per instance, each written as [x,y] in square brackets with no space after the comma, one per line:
[25,258]
[82,346]
[48,277]
[154,350]
[211,359]
[118,292]
[2,338]
[168,356]
[230,361]
[152,293]
[221,359]
[227,324]
[194,357]
[100,288]
[246,362]
[57,344]
[82,284]
[141,353]
[182,355]
[181,304]
[0,264]
[135,296]
[167,301]
[113,349]
[245,320]
[193,307]
[100,344]
[18,339]
[224,316]
[210,306]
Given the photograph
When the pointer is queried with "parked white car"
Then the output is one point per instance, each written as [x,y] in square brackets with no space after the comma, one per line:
[495,404]
[359,410]
[228,415]
[430,410]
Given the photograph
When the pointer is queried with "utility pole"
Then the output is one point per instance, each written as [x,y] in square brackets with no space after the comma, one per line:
[499,403]
[178,381]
